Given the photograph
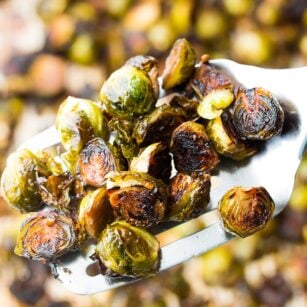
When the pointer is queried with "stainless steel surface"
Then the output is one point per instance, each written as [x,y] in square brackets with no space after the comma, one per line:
[273,167]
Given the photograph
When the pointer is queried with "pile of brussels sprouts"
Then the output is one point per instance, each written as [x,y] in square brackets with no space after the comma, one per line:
[113,179]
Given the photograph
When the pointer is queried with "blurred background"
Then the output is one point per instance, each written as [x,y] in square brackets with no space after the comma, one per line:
[54,48]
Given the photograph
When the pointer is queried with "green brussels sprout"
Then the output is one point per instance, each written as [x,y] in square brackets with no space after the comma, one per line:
[137,198]
[154,160]
[214,103]
[188,196]
[96,160]
[148,64]
[257,114]
[128,250]
[158,126]
[78,121]
[45,236]
[179,65]
[82,50]
[95,212]
[207,78]
[192,150]
[244,211]
[226,142]
[121,138]
[49,9]
[128,93]
[19,185]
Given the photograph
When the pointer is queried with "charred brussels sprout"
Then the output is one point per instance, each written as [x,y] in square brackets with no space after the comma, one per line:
[158,126]
[128,250]
[128,93]
[96,160]
[154,160]
[46,236]
[226,142]
[192,150]
[150,65]
[257,114]
[188,196]
[137,198]
[78,121]
[179,64]
[246,210]
[19,185]
[95,212]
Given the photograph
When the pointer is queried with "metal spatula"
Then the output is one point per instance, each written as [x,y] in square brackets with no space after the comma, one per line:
[274,168]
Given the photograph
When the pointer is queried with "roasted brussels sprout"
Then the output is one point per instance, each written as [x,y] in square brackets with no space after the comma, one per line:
[128,250]
[148,64]
[154,160]
[207,78]
[179,64]
[158,126]
[78,121]
[95,212]
[245,210]
[257,114]
[137,197]
[96,160]
[192,150]
[225,140]
[19,185]
[214,103]
[188,196]
[128,93]
[45,236]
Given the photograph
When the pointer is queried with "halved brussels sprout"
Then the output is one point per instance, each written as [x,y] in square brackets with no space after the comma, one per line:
[179,64]
[188,196]
[154,160]
[128,250]
[214,103]
[158,126]
[45,236]
[96,160]
[244,211]
[226,142]
[78,121]
[137,197]
[257,114]
[19,185]
[56,190]
[207,78]
[128,93]
[148,64]
[192,149]
[95,212]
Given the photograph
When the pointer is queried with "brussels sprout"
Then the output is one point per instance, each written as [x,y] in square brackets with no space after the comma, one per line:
[96,160]
[128,93]
[45,236]
[128,250]
[137,198]
[257,114]
[207,78]
[95,212]
[179,64]
[148,64]
[245,210]
[78,121]
[158,126]
[121,138]
[19,185]
[83,50]
[154,160]
[192,150]
[214,103]
[188,196]
[225,140]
